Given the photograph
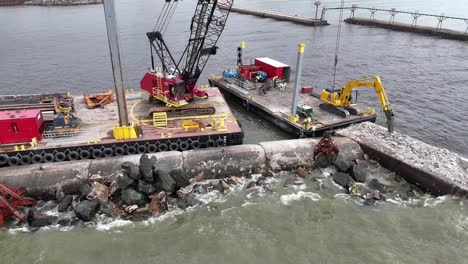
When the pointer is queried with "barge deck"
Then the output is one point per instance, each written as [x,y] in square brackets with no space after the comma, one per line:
[95,138]
[275,107]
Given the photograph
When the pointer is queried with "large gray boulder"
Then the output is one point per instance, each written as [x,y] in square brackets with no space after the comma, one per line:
[359,172]
[131,170]
[86,210]
[164,181]
[132,197]
[343,179]
[146,168]
[65,203]
[145,188]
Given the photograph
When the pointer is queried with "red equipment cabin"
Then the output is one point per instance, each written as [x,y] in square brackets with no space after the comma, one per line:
[274,68]
[170,90]
[21,126]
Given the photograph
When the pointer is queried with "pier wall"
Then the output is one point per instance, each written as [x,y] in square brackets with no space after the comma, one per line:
[435,170]
[423,30]
[241,160]
[11,2]
[283,17]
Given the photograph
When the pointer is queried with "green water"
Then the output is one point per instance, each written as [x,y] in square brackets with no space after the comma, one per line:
[314,222]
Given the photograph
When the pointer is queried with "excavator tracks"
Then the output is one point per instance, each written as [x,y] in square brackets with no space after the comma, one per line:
[339,111]
[186,110]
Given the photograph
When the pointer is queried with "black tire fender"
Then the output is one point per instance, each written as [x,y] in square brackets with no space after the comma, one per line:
[49,157]
[13,161]
[210,143]
[60,156]
[84,154]
[184,145]
[141,149]
[131,150]
[36,159]
[96,154]
[173,146]
[107,152]
[152,148]
[3,159]
[195,144]
[119,151]
[162,147]
[25,160]
[73,155]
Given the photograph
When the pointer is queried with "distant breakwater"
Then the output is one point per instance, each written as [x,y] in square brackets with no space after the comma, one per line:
[62,2]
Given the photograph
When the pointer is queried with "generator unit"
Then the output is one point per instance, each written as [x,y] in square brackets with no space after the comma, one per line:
[21,126]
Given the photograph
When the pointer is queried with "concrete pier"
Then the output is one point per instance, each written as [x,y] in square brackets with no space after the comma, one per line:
[423,30]
[278,16]
[435,170]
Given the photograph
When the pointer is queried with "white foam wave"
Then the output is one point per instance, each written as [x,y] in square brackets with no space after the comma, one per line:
[101,226]
[287,199]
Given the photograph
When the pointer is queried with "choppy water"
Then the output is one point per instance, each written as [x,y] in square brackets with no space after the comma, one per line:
[65,48]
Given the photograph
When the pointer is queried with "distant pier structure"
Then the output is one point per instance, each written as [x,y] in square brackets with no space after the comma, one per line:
[11,2]
[308,21]
[413,27]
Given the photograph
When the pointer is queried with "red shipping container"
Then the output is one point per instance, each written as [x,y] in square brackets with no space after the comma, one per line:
[274,68]
[21,126]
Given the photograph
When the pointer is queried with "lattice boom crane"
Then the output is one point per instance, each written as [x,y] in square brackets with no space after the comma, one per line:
[175,82]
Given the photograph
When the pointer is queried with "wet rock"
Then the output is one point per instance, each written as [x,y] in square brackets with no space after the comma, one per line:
[369,201]
[65,203]
[251,184]
[300,172]
[180,178]
[184,192]
[145,187]
[59,195]
[138,215]
[358,190]
[321,161]
[121,183]
[107,208]
[233,180]
[86,210]
[99,192]
[155,206]
[341,164]
[37,219]
[85,189]
[359,173]
[67,220]
[191,200]
[44,194]
[199,178]
[146,168]
[131,197]
[343,179]
[223,184]
[131,170]
[268,173]
[165,182]
[200,188]
[129,209]
[376,185]
[100,179]
[72,186]
[162,197]
[376,195]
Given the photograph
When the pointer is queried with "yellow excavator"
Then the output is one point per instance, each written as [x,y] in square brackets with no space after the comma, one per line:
[341,103]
